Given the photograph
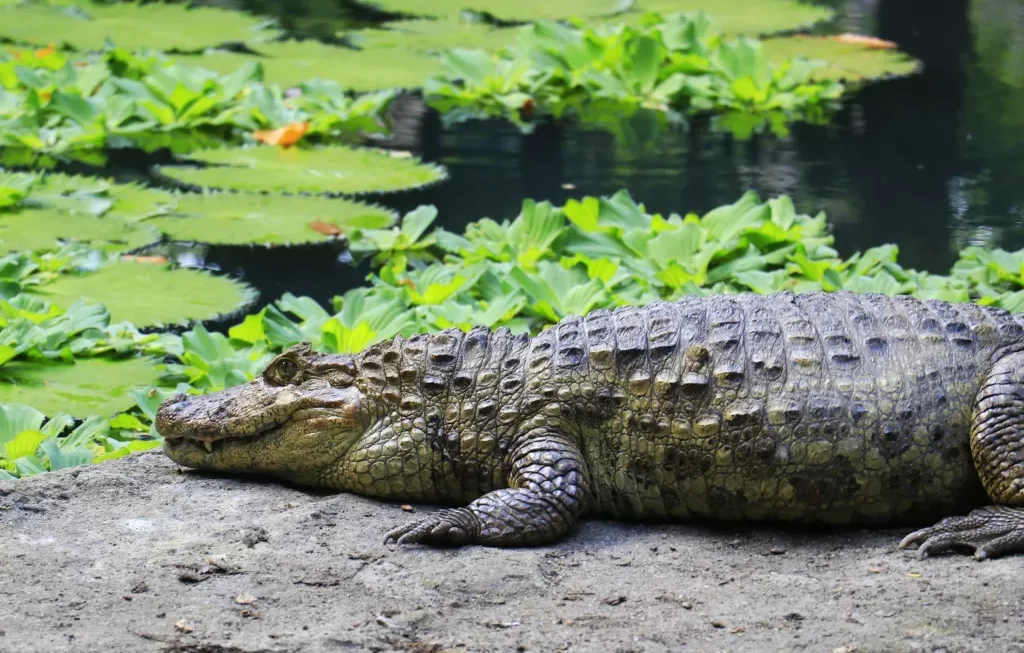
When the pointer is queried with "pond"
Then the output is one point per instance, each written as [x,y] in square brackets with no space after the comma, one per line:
[932,163]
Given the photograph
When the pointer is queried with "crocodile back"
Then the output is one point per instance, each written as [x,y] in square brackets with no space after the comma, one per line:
[825,407]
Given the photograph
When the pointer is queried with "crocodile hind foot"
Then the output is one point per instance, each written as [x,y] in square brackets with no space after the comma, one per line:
[991,531]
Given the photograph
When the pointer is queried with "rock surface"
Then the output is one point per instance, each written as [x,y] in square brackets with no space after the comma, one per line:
[138,555]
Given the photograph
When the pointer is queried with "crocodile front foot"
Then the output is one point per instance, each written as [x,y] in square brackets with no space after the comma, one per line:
[991,532]
[450,526]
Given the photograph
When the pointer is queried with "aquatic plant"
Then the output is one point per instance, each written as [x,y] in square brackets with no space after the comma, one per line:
[56,103]
[736,16]
[676,64]
[288,63]
[86,25]
[351,171]
[259,219]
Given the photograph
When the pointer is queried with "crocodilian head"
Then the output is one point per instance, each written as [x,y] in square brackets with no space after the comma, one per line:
[295,421]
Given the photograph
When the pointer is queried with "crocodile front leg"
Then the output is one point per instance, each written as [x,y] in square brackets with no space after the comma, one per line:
[997,444]
[547,486]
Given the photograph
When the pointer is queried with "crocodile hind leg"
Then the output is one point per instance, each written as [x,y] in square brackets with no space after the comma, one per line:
[544,497]
[997,445]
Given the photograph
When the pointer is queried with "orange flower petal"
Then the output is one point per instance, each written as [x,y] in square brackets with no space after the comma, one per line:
[324,228]
[45,52]
[285,136]
[861,39]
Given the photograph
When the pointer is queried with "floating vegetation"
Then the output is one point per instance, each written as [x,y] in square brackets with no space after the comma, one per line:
[151,294]
[754,17]
[289,63]
[32,444]
[341,170]
[433,36]
[256,219]
[58,104]
[521,10]
[39,229]
[86,25]
[87,386]
[848,59]
[680,64]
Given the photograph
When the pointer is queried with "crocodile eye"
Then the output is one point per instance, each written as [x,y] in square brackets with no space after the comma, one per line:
[285,370]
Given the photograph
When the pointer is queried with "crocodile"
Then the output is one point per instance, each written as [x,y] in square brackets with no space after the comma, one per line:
[816,408]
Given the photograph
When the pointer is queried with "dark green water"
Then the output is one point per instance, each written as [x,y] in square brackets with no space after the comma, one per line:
[932,163]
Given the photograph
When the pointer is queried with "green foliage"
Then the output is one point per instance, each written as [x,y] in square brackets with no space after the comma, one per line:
[39,212]
[522,10]
[148,294]
[85,387]
[288,63]
[755,17]
[433,36]
[86,25]
[847,62]
[31,444]
[251,219]
[679,64]
[316,170]
[57,104]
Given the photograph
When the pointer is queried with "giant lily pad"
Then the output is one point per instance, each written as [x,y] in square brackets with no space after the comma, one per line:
[41,229]
[290,63]
[848,59]
[434,35]
[742,16]
[89,386]
[519,10]
[151,295]
[317,170]
[250,219]
[154,25]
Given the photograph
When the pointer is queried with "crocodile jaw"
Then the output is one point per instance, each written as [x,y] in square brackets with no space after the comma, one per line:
[295,432]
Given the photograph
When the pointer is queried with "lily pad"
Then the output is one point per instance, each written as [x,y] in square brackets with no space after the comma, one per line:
[742,16]
[290,63]
[249,219]
[147,294]
[89,386]
[847,60]
[42,229]
[155,25]
[317,170]
[519,10]
[432,36]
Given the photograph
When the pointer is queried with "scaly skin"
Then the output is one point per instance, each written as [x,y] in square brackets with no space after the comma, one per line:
[818,408]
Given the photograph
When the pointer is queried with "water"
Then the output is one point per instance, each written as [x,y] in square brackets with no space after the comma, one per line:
[932,162]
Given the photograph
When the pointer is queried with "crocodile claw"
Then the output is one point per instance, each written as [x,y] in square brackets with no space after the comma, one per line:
[449,526]
[991,531]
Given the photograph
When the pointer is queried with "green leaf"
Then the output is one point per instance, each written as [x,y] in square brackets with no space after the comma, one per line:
[523,10]
[133,26]
[146,294]
[289,63]
[91,386]
[319,170]
[843,61]
[44,229]
[250,219]
[24,444]
[63,458]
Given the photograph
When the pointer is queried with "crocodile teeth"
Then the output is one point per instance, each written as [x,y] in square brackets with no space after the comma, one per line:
[209,445]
